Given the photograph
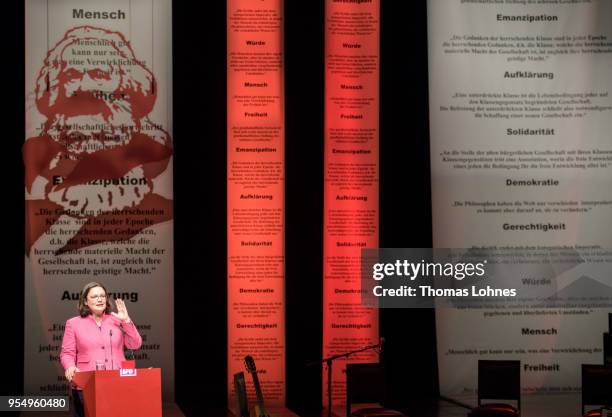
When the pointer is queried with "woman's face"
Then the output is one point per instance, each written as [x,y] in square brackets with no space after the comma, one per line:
[96,300]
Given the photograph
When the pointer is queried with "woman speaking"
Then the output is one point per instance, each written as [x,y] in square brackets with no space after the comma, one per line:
[95,338]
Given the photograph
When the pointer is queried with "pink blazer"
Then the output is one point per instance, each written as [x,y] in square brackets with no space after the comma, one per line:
[85,342]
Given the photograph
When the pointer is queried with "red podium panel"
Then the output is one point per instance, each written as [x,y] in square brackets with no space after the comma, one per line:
[121,392]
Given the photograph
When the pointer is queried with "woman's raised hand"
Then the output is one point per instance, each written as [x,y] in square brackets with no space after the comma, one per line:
[121,313]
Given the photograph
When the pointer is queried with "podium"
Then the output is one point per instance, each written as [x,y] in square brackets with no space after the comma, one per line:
[121,392]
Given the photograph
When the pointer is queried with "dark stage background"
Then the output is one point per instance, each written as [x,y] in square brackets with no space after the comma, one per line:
[200,199]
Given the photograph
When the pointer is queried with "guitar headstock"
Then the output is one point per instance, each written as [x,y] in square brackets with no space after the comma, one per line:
[249,364]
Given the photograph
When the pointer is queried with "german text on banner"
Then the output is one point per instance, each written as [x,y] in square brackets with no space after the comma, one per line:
[98,171]
[351,180]
[521,158]
[255,197]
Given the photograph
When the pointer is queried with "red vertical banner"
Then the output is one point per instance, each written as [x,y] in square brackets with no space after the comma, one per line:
[351,179]
[255,195]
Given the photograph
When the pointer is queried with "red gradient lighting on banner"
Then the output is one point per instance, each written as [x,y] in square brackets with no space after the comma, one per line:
[255,202]
[351,180]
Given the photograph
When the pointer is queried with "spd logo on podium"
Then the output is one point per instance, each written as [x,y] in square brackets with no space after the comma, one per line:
[127,372]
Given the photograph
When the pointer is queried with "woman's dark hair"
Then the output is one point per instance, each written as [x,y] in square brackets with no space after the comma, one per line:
[84,310]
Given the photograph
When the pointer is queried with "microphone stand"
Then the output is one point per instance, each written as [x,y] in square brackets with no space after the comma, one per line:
[110,336]
[328,361]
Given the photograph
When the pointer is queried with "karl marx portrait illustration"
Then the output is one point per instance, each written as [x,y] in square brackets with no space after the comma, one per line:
[96,154]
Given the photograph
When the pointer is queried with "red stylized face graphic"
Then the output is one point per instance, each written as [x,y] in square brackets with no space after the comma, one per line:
[97,152]
[91,79]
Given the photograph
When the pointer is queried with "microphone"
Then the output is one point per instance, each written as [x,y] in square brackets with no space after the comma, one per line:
[110,335]
[379,346]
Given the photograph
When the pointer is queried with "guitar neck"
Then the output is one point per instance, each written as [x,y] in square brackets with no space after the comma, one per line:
[260,399]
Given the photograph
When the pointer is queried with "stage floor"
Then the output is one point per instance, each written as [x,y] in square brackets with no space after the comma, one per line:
[547,405]
[550,405]
[562,405]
